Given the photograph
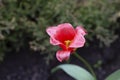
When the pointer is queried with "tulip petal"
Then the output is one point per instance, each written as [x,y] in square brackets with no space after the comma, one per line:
[52,32]
[65,32]
[53,41]
[79,39]
[81,30]
[63,55]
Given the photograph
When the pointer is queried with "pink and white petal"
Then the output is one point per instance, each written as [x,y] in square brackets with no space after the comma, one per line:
[53,41]
[51,31]
[81,30]
[78,41]
[67,27]
[62,55]
[65,32]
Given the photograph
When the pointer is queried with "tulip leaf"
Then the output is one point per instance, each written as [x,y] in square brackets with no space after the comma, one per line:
[77,72]
[114,76]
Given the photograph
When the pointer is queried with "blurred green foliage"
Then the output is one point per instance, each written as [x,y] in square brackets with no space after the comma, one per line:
[23,22]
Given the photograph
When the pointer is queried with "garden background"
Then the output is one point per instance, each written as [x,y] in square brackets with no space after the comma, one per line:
[25,51]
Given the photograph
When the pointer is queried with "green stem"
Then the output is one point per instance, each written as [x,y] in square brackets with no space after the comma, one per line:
[86,63]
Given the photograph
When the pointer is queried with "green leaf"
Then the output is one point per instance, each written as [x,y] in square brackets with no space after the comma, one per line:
[114,76]
[77,72]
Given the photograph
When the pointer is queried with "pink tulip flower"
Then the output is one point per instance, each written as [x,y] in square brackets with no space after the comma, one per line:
[68,38]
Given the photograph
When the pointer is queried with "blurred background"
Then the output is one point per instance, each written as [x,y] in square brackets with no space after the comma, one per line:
[25,51]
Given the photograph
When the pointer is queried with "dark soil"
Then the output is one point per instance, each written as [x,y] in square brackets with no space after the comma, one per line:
[24,66]
[27,65]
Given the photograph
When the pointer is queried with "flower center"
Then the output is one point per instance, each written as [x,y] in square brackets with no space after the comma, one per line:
[67,43]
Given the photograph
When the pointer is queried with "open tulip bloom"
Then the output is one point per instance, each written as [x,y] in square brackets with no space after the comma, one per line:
[68,38]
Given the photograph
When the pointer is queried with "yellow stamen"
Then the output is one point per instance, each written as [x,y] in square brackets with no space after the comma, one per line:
[67,43]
